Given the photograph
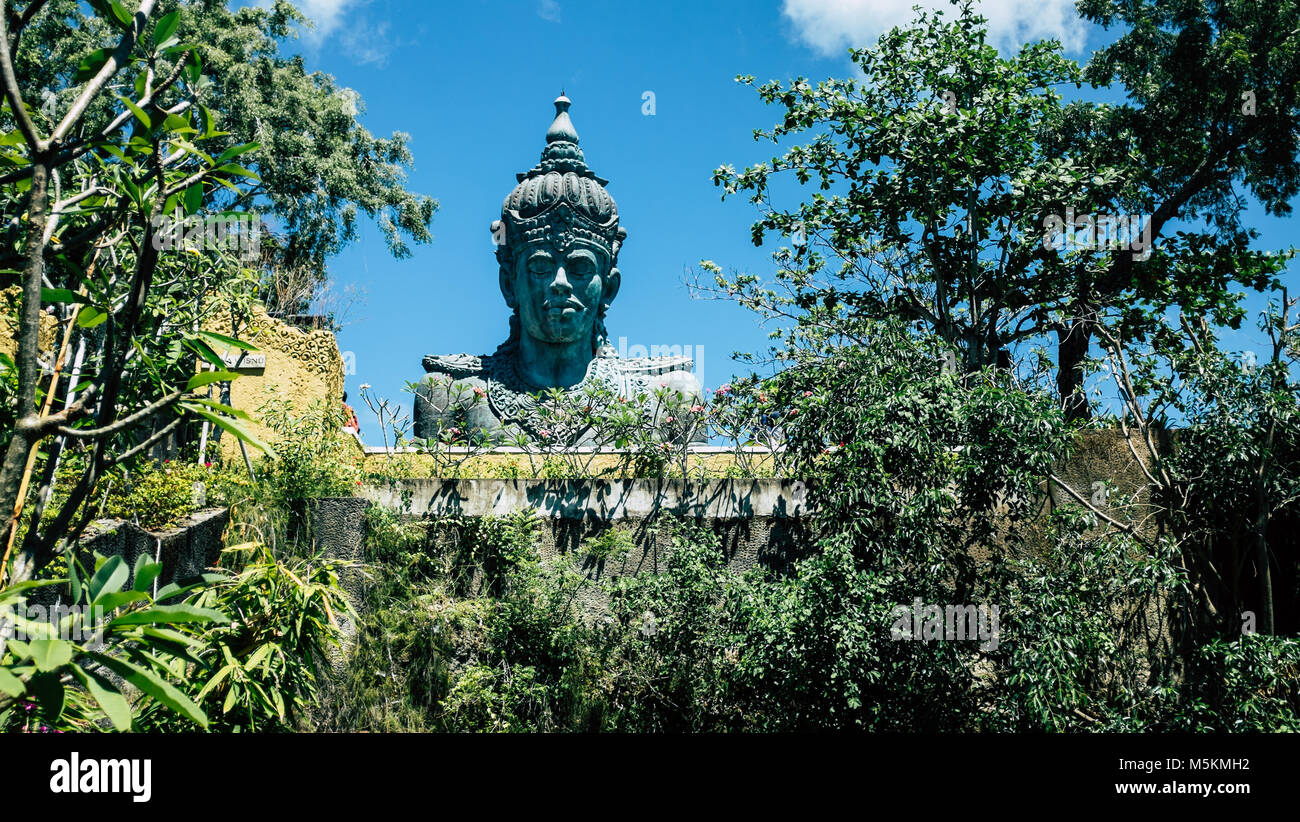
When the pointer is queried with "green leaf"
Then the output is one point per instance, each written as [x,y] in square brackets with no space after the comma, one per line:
[194,70]
[236,428]
[132,189]
[137,111]
[216,680]
[119,11]
[50,654]
[208,127]
[188,584]
[110,699]
[90,316]
[10,684]
[256,658]
[194,197]
[60,295]
[91,64]
[114,150]
[235,151]
[205,351]
[170,615]
[154,686]
[176,124]
[166,26]
[74,577]
[222,339]
[185,145]
[216,406]
[235,168]
[145,573]
[173,642]
[111,602]
[205,377]
[108,579]
[12,591]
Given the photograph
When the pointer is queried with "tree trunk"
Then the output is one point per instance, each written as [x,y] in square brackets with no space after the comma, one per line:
[26,430]
[1072,349]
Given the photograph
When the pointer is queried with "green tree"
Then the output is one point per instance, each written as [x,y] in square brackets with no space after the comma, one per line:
[943,168]
[1212,112]
[115,131]
[317,169]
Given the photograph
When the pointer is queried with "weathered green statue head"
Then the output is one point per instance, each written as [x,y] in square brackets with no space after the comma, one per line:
[557,242]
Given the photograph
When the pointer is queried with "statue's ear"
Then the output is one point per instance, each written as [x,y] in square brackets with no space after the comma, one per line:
[612,282]
[508,286]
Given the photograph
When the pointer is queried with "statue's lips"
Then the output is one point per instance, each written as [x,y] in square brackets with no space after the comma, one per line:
[564,310]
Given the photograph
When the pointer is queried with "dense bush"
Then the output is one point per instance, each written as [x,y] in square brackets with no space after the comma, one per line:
[928,488]
[261,671]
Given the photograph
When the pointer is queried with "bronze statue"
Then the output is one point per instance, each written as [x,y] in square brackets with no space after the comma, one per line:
[557,245]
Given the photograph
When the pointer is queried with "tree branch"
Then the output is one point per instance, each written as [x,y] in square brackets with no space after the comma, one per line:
[125,422]
[115,61]
[12,91]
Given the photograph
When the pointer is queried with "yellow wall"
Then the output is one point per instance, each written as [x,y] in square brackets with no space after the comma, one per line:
[520,466]
[302,366]
[10,302]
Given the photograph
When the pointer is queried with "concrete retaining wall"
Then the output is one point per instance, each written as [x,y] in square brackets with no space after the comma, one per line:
[604,500]
[186,550]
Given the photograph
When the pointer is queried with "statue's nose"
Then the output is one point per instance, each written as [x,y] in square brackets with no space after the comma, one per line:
[561,284]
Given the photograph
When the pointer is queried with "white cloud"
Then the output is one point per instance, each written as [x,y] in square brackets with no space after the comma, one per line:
[326,14]
[549,10]
[832,26]
[366,44]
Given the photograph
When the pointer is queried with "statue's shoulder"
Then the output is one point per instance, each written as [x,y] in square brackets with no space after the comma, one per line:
[655,366]
[676,372]
[456,366]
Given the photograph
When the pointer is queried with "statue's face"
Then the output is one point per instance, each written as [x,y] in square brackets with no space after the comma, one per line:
[558,294]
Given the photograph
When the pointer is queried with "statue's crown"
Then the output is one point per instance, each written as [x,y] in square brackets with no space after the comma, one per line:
[560,199]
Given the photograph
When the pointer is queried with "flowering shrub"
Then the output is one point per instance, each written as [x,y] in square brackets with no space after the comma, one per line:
[311,458]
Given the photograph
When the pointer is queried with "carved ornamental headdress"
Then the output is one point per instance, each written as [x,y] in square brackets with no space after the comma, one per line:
[559,200]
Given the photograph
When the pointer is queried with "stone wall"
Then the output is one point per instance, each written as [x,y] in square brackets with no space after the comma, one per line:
[10,306]
[758,520]
[301,366]
[185,550]
[337,528]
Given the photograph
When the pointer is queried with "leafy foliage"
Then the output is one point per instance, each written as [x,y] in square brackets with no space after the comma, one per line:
[261,671]
[115,630]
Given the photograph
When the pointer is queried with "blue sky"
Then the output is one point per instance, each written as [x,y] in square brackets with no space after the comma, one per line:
[472,84]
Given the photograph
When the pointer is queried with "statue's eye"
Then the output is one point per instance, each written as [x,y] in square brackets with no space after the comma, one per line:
[540,266]
[581,267]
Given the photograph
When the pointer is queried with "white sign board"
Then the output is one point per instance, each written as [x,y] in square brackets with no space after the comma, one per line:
[244,361]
